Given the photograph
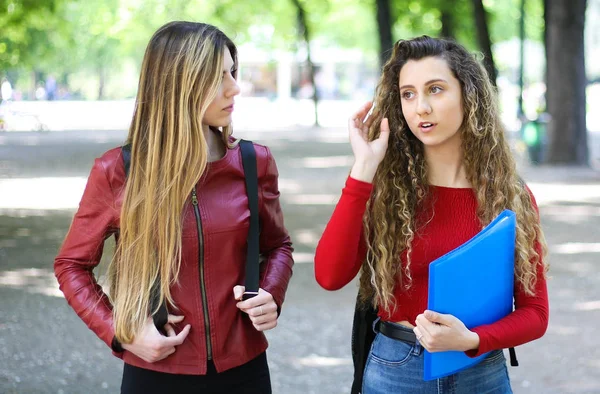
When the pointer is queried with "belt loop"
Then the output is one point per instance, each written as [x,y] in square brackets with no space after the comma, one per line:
[417,349]
[375,324]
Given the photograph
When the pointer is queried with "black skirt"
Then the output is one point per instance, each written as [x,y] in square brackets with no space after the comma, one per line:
[250,378]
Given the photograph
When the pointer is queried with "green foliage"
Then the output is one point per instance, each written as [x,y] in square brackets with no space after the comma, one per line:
[105,37]
[24,37]
[504,19]
[416,17]
[349,24]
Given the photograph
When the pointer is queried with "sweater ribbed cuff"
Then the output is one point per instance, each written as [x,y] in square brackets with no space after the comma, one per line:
[358,187]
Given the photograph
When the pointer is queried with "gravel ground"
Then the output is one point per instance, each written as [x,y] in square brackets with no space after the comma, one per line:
[45,348]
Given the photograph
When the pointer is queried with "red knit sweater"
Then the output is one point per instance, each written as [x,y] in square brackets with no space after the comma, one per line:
[342,249]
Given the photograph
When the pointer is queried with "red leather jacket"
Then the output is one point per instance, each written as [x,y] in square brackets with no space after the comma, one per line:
[213,260]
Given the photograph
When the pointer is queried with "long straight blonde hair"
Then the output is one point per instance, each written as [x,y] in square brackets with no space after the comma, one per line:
[180,77]
[401,183]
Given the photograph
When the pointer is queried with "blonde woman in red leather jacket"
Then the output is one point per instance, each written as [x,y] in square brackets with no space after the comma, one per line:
[174,311]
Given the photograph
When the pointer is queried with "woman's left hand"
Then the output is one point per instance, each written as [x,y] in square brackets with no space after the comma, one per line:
[438,332]
[261,308]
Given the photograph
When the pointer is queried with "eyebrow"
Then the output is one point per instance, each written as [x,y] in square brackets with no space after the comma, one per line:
[426,83]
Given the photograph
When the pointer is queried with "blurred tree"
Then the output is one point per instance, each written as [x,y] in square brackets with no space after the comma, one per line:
[345,24]
[416,17]
[447,19]
[483,37]
[566,81]
[403,19]
[304,33]
[25,42]
[503,19]
[23,27]
[494,23]
[95,42]
[94,31]
[384,28]
[520,109]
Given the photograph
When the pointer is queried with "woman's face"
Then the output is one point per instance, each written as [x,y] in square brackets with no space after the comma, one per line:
[218,113]
[431,100]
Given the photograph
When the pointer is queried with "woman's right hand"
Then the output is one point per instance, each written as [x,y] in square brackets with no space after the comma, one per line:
[151,346]
[367,154]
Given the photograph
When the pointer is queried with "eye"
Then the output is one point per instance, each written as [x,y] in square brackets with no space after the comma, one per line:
[233,73]
[435,89]
[407,95]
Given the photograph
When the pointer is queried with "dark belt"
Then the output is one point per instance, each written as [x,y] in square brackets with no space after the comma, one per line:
[395,331]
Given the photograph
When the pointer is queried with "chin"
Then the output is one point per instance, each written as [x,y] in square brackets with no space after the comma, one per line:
[431,142]
[223,122]
[220,124]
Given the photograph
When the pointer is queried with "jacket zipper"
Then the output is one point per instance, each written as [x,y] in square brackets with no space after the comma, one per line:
[201,269]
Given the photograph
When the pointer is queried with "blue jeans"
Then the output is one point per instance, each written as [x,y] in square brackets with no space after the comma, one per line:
[395,366]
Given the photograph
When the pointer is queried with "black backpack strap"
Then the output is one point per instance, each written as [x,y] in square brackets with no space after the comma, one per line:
[253,252]
[511,351]
[362,338]
[126,154]
[513,357]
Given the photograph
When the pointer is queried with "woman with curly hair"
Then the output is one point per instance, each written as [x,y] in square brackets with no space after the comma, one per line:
[432,168]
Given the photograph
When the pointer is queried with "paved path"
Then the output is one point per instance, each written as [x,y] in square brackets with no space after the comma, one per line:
[45,348]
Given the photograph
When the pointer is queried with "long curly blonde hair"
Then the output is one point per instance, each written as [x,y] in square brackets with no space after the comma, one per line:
[401,182]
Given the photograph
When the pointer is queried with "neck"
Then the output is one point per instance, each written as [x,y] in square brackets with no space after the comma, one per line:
[445,166]
[216,148]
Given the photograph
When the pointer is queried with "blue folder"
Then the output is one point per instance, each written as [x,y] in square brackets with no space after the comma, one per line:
[473,282]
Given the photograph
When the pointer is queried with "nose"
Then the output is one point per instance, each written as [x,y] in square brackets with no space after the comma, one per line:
[233,89]
[423,107]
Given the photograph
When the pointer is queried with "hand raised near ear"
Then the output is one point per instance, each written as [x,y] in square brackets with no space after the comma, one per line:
[367,154]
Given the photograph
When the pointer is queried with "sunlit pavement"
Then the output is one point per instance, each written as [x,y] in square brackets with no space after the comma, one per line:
[45,348]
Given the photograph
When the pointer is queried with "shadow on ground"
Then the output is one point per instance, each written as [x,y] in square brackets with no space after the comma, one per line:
[45,348]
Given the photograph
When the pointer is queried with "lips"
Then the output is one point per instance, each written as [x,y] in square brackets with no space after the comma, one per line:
[228,109]
[426,126]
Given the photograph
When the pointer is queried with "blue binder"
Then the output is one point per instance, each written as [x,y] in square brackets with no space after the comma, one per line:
[473,282]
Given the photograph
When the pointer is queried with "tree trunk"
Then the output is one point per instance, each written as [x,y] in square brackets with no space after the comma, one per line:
[35,78]
[384,28]
[566,82]
[520,109]
[447,20]
[304,32]
[546,19]
[483,37]
[101,82]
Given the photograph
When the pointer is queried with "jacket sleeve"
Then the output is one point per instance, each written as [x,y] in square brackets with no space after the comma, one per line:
[81,252]
[275,244]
